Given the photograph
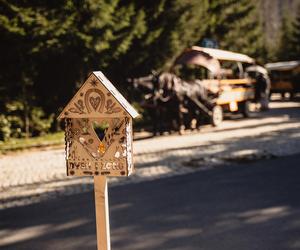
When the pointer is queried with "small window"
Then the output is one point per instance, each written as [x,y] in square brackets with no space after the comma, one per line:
[232,69]
[190,72]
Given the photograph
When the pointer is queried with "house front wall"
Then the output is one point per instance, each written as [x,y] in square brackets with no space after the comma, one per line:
[105,152]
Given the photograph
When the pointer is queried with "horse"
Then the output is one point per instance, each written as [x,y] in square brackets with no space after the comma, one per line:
[175,102]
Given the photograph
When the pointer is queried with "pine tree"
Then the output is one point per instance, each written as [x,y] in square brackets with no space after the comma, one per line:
[295,36]
[236,26]
[172,26]
[286,50]
[66,36]
[46,47]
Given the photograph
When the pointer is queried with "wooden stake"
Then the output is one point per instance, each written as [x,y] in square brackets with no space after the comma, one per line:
[102,213]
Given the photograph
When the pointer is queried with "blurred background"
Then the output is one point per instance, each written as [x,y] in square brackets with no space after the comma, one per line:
[49,48]
[233,186]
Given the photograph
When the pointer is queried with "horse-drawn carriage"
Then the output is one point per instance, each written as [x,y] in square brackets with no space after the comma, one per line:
[202,82]
[285,77]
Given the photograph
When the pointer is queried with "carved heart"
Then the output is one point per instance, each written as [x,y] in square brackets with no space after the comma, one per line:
[94,101]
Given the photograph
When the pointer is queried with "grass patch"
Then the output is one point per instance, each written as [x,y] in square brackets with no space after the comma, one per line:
[41,141]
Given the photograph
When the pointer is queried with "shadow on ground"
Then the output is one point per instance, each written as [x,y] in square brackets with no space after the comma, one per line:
[267,143]
[239,207]
[281,141]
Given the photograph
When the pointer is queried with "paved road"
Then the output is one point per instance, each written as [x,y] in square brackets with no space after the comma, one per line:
[252,206]
[187,192]
[31,177]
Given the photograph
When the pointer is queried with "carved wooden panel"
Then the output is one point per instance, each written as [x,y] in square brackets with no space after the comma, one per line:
[98,130]
[99,146]
[94,99]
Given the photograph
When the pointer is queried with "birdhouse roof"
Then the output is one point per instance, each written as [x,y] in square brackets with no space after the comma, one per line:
[97,97]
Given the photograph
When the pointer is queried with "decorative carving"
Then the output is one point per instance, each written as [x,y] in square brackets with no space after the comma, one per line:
[97,98]
[79,107]
[110,107]
[84,126]
[93,82]
[128,128]
[95,101]
[108,156]
[94,98]
[75,110]
[98,130]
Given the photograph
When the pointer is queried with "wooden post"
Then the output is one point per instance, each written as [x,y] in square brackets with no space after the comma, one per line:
[98,104]
[102,213]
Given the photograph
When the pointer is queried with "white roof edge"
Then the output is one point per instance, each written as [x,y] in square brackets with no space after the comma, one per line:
[120,98]
[257,68]
[225,54]
[282,65]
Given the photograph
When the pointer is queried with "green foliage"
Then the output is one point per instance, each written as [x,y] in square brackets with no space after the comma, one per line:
[25,143]
[13,123]
[171,26]
[295,36]
[55,44]
[14,120]
[5,130]
[285,49]
[39,123]
[48,47]
[236,26]
[289,38]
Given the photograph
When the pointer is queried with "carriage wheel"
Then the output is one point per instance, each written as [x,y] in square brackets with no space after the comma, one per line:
[217,115]
[292,95]
[245,108]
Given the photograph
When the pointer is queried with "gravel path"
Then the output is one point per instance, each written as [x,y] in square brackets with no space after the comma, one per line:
[34,176]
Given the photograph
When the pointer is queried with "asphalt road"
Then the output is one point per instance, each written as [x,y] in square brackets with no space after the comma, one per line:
[252,206]
[39,175]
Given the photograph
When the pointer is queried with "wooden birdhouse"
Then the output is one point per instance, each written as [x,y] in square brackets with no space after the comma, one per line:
[98,130]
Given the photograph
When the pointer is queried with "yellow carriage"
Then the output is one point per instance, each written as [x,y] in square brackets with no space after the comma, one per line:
[230,78]
[285,77]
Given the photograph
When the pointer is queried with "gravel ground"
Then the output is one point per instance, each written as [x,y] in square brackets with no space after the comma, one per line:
[33,176]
